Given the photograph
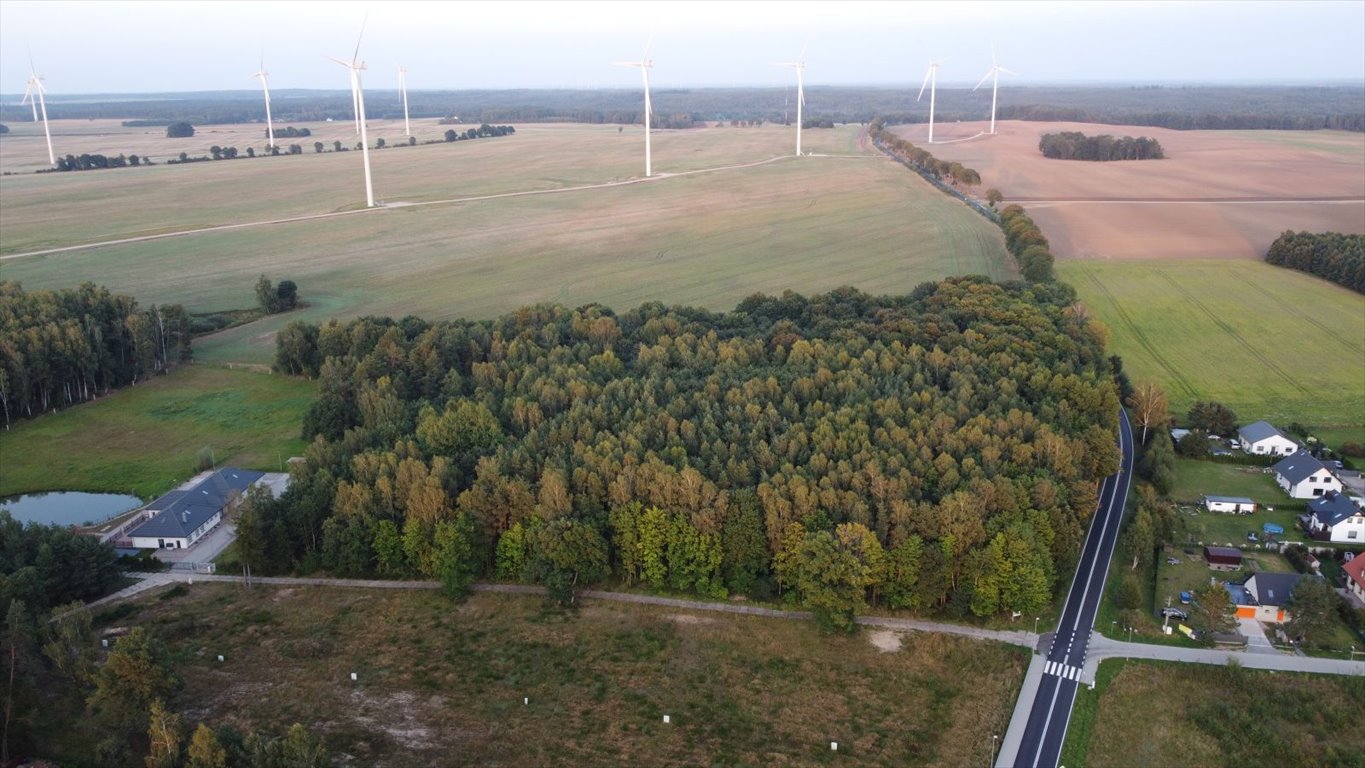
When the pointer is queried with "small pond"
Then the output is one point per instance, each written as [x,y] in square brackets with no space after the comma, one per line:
[68,507]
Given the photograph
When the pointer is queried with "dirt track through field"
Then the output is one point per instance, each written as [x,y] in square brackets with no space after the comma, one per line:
[400,205]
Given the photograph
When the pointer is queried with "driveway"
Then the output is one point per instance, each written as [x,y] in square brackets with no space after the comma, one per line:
[1257,642]
[203,551]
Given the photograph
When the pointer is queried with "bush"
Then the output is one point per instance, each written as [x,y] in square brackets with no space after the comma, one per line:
[180,130]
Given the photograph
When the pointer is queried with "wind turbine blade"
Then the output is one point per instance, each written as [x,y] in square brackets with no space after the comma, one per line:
[360,37]
[985,77]
[648,43]
[994,62]
[1008,71]
[802,57]
[925,83]
[346,64]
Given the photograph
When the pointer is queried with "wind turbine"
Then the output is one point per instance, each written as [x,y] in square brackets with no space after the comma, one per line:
[355,65]
[403,86]
[994,73]
[644,65]
[931,80]
[800,66]
[269,125]
[34,95]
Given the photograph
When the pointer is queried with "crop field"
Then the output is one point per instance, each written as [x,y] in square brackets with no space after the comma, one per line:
[1218,194]
[809,224]
[1270,343]
[438,678]
[1145,713]
[146,438]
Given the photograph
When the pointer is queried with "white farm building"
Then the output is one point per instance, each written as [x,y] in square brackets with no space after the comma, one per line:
[183,516]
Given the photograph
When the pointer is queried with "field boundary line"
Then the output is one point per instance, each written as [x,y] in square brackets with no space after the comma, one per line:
[1256,353]
[1190,200]
[1141,337]
[1326,329]
[397,205]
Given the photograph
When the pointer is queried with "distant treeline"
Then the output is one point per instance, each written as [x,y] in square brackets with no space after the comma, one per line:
[289,132]
[1331,256]
[931,168]
[1280,107]
[1074,145]
[64,347]
[87,162]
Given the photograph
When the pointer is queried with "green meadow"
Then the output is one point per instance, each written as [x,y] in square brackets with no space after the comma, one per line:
[1270,343]
[145,439]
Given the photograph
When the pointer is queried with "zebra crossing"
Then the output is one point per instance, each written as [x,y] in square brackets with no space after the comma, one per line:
[1061,670]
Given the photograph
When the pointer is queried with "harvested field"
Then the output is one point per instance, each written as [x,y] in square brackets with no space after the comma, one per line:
[710,239]
[1218,194]
[438,678]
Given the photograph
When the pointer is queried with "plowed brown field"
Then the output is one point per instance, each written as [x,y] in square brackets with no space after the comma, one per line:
[1218,194]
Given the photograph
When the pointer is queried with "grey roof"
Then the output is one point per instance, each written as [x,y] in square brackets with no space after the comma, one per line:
[181,512]
[1210,551]
[1231,499]
[1272,588]
[1331,508]
[1255,433]
[1296,467]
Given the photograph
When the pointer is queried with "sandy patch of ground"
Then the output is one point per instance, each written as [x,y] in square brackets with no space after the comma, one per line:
[1218,194]
[687,618]
[885,640]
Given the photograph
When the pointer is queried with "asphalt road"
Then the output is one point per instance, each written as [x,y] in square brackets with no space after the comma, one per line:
[1041,744]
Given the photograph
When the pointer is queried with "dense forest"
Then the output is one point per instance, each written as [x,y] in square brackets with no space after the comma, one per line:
[1074,145]
[63,347]
[1177,107]
[938,451]
[1331,256]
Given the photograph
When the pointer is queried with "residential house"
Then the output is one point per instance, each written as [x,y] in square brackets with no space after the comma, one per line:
[1335,517]
[1223,558]
[1237,505]
[1264,596]
[1263,439]
[183,516]
[1355,576]
[1304,477]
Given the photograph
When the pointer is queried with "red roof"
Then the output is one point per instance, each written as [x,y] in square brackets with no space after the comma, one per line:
[1355,570]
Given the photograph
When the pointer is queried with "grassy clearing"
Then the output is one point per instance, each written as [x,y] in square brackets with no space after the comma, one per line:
[146,438]
[809,224]
[1196,479]
[1268,342]
[1160,713]
[438,678]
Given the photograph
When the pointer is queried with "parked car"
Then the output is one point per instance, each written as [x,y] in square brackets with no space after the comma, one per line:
[1174,613]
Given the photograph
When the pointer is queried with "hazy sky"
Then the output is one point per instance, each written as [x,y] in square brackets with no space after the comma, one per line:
[102,47]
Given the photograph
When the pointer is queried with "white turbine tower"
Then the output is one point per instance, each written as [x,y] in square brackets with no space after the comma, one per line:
[34,94]
[29,100]
[355,65]
[403,86]
[931,80]
[269,125]
[994,73]
[644,65]
[800,66]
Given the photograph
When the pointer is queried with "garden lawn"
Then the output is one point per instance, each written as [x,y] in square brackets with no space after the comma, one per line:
[146,439]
